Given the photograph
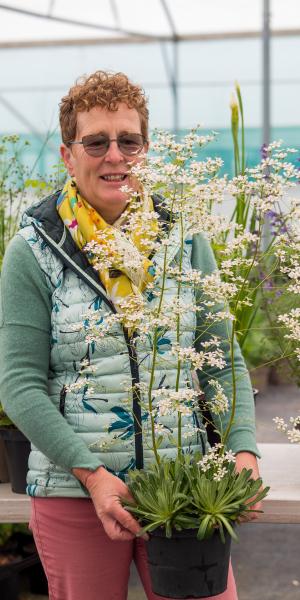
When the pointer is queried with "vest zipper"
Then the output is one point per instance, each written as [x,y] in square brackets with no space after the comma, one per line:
[136,400]
[62,400]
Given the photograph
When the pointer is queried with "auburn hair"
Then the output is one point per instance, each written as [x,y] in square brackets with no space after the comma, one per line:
[105,89]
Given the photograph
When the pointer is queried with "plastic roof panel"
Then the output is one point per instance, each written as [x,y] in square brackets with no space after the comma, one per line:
[40,57]
[106,19]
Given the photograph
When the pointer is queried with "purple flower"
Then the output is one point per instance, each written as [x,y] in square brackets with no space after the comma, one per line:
[268,285]
[264,152]
[283,229]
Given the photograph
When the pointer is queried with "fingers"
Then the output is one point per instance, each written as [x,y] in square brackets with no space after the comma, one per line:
[120,526]
[126,495]
[107,492]
[126,520]
[251,516]
[115,531]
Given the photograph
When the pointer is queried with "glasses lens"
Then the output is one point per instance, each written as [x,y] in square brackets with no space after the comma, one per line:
[130,143]
[95,145]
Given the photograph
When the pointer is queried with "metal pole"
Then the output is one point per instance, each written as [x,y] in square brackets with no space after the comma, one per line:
[173,72]
[175,87]
[266,72]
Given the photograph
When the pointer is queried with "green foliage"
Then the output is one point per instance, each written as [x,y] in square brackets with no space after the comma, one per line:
[12,178]
[7,529]
[4,419]
[276,301]
[179,494]
[260,346]
[18,189]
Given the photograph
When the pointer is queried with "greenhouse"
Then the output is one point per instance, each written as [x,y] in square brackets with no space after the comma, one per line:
[150,316]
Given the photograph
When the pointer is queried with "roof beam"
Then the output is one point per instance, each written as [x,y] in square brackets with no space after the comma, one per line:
[194,37]
[153,84]
[65,21]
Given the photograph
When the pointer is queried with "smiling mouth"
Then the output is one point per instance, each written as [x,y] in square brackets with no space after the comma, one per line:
[120,177]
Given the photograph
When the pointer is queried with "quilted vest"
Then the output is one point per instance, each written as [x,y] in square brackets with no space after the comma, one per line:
[107,419]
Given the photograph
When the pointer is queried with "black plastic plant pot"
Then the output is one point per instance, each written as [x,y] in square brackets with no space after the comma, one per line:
[184,567]
[9,587]
[9,575]
[17,448]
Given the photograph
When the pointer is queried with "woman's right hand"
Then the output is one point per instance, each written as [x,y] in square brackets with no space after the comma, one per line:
[106,491]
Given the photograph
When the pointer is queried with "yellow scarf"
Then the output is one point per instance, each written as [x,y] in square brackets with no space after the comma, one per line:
[129,270]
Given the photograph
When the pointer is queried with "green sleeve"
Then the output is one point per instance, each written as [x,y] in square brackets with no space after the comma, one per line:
[242,436]
[25,351]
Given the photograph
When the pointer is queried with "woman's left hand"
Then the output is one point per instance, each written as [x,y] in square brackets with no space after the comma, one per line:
[247,460]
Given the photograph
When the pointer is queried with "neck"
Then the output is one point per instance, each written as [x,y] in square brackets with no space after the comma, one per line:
[111,214]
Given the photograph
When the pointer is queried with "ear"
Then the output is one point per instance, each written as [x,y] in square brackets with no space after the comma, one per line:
[68,159]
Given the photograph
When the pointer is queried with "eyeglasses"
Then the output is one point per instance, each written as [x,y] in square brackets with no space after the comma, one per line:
[129,144]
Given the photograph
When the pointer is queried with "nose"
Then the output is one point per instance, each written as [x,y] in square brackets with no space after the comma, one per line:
[113,154]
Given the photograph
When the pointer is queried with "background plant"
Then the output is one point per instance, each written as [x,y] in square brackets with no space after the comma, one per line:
[259,213]
[18,189]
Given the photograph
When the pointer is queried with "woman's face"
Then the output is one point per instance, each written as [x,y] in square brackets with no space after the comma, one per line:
[92,173]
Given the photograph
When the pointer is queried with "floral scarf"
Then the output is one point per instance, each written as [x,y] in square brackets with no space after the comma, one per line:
[119,256]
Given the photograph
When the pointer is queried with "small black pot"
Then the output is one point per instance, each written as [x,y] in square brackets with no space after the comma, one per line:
[10,587]
[9,579]
[23,557]
[17,448]
[184,567]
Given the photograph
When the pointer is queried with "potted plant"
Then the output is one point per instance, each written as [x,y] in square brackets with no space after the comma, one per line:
[190,508]
[190,498]
[18,554]
[13,539]
[17,449]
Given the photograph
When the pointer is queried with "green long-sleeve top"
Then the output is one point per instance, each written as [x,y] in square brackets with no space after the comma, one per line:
[25,317]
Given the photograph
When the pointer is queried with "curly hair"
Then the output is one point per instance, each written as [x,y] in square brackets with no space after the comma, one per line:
[103,89]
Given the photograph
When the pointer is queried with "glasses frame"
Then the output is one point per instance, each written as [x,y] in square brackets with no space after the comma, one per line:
[109,140]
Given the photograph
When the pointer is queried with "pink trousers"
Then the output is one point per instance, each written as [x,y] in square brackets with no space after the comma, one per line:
[81,561]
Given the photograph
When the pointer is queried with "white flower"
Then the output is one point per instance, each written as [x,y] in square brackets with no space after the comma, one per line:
[280,424]
[78,386]
[169,401]
[219,402]
[294,436]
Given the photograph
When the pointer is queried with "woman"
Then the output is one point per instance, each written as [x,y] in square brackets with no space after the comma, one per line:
[85,538]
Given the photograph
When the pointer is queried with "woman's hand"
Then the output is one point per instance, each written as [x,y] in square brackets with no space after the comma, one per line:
[248,460]
[106,491]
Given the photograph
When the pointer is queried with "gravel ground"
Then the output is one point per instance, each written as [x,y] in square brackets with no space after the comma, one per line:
[266,560]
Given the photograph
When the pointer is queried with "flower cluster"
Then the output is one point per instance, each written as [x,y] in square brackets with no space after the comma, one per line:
[292,430]
[217,461]
[168,401]
[199,359]
[267,183]
[219,402]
